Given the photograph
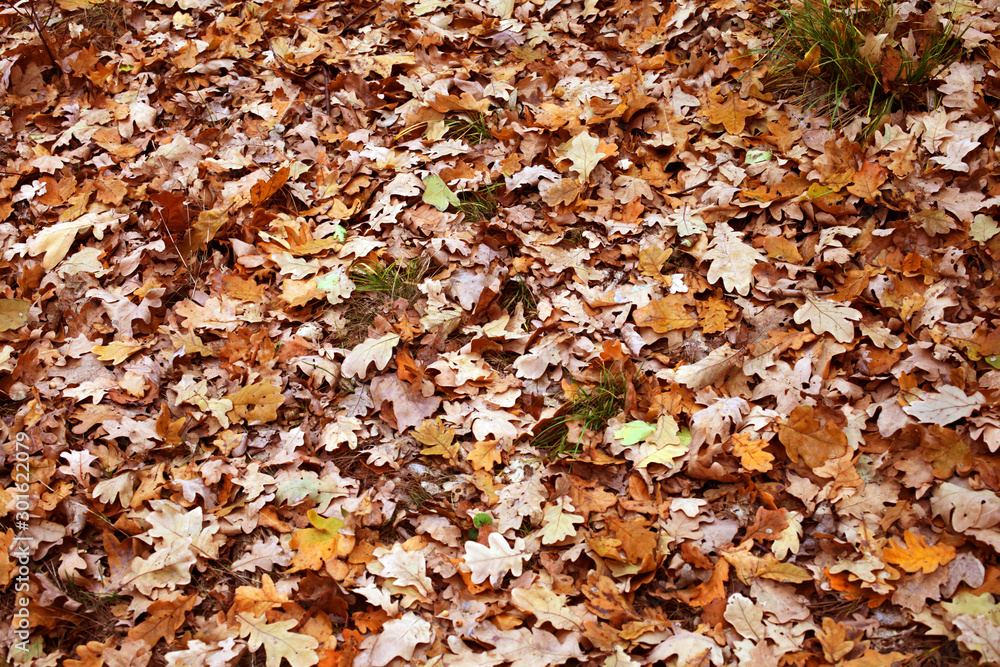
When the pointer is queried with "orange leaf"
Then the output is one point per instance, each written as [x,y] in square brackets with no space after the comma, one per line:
[318,544]
[166,618]
[665,314]
[918,555]
[868,181]
[804,439]
[485,455]
[713,589]
[767,525]
[751,452]
[835,640]
[732,113]
[605,601]
[169,430]
[261,191]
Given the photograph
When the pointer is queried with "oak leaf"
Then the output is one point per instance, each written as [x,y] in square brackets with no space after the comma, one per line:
[558,522]
[828,316]
[496,560]
[732,112]
[947,405]
[399,639]
[751,453]
[117,351]
[548,607]
[279,641]
[565,191]
[169,430]
[256,402]
[14,314]
[663,443]
[258,601]
[868,181]
[582,152]
[437,438]
[967,509]
[377,350]
[485,454]
[666,314]
[319,544]
[917,555]
[263,190]
[732,259]
[804,439]
[745,617]
[165,618]
[438,194]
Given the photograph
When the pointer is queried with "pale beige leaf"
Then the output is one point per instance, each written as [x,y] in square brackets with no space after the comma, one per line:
[558,522]
[745,617]
[828,316]
[548,607]
[732,260]
[400,638]
[279,641]
[967,509]
[948,405]
[377,350]
[582,151]
[496,560]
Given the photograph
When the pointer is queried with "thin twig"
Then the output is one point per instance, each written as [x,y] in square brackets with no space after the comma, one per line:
[326,89]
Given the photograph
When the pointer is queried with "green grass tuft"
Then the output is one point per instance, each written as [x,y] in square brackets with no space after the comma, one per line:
[593,405]
[480,205]
[376,287]
[398,280]
[473,128]
[849,59]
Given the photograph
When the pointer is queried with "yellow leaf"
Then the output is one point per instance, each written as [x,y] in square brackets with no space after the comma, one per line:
[651,261]
[256,402]
[665,314]
[317,545]
[438,438]
[713,315]
[751,453]
[485,455]
[118,351]
[13,313]
[917,555]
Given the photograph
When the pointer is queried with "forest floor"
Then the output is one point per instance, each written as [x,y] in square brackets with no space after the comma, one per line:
[533,333]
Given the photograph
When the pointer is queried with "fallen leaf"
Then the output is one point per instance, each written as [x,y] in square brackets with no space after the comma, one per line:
[374,350]
[917,555]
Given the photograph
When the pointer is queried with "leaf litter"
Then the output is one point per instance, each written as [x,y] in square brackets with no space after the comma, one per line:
[514,333]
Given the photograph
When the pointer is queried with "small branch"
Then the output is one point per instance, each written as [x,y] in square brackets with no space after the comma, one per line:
[36,22]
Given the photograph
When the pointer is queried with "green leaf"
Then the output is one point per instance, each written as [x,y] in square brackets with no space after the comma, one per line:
[437,194]
[482,519]
[757,155]
[634,432]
